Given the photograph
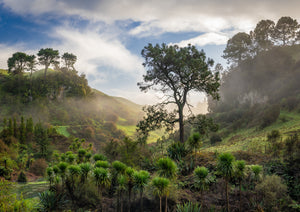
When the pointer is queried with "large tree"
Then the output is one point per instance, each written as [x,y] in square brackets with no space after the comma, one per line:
[238,48]
[48,57]
[17,63]
[69,60]
[286,31]
[262,34]
[176,71]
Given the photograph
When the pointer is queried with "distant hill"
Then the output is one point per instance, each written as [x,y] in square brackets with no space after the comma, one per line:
[66,102]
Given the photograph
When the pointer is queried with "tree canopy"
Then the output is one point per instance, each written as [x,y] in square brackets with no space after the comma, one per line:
[48,57]
[176,71]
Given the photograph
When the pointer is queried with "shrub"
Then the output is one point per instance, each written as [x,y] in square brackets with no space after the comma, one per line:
[215,138]
[177,151]
[188,207]
[270,115]
[272,191]
[38,167]
[22,177]
[99,157]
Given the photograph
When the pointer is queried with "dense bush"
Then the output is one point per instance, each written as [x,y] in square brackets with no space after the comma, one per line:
[38,167]
[215,138]
[270,115]
[272,192]
[22,177]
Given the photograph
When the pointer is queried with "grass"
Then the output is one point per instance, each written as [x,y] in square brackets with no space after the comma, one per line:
[131,130]
[254,139]
[63,130]
[31,189]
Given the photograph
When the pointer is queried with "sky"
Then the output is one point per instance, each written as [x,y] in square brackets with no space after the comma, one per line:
[107,36]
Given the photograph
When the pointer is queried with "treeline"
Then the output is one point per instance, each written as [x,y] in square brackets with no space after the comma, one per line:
[263,78]
[21,82]
[264,37]
[22,142]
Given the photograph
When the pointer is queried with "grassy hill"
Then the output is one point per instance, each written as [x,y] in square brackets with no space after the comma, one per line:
[254,139]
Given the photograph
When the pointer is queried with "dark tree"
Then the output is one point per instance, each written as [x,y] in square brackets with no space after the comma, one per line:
[176,72]
[48,57]
[41,138]
[238,48]
[286,31]
[69,60]
[17,63]
[30,66]
[262,34]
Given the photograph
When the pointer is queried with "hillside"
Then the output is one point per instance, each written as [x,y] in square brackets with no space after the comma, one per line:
[67,103]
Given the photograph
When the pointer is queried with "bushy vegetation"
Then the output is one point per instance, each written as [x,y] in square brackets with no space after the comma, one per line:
[45,114]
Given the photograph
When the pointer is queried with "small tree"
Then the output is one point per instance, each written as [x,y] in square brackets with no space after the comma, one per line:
[166,168]
[102,179]
[161,188]
[194,142]
[239,173]
[140,179]
[201,180]
[225,168]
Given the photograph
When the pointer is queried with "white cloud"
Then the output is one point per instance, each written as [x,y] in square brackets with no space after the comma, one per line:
[205,39]
[96,52]
[158,16]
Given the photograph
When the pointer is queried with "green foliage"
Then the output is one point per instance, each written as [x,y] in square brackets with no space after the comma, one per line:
[102,177]
[166,168]
[272,191]
[256,169]
[140,179]
[170,69]
[177,151]
[215,138]
[239,169]
[50,201]
[270,116]
[99,157]
[85,169]
[201,178]
[188,207]
[102,164]
[10,202]
[119,167]
[225,165]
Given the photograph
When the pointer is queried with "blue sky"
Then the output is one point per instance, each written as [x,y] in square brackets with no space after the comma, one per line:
[107,36]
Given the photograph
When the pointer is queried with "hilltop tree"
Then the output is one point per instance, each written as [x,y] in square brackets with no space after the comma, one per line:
[286,30]
[30,66]
[175,72]
[262,34]
[69,60]
[17,63]
[48,57]
[238,48]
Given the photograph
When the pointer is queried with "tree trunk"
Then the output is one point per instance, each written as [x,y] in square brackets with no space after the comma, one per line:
[160,204]
[240,188]
[129,199]
[46,68]
[166,207]
[181,125]
[141,197]
[227,199]
[121,199]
